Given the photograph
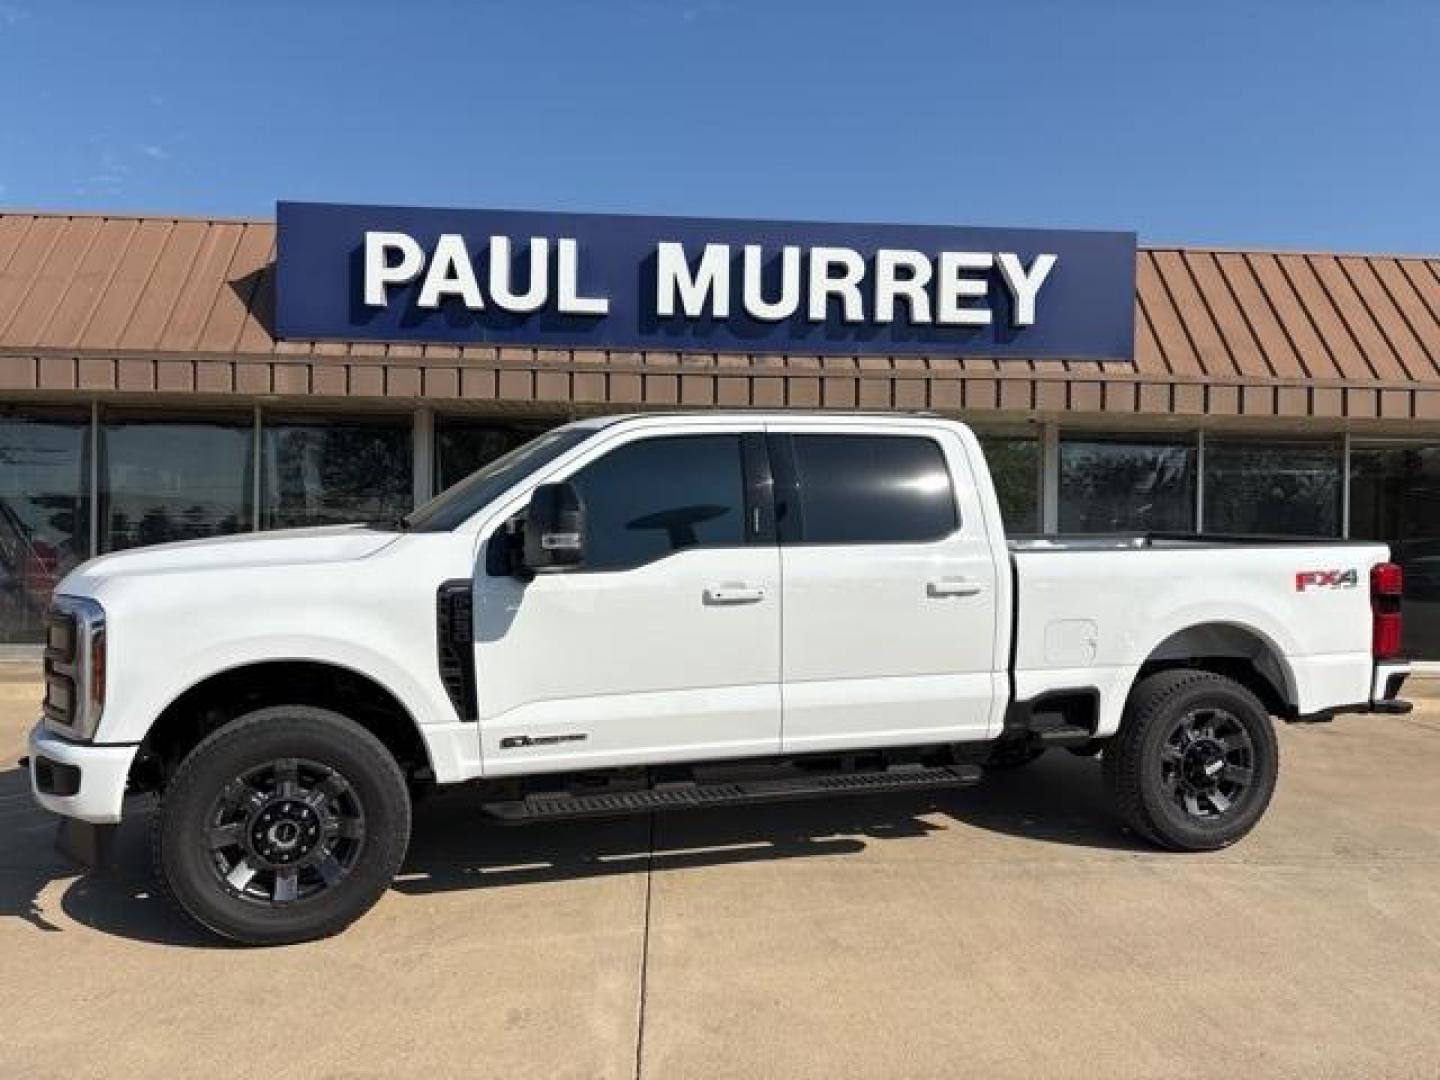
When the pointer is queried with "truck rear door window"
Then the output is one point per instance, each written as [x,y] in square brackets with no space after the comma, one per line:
[873,489]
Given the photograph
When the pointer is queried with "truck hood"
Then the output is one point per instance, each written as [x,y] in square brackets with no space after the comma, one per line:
[282,547]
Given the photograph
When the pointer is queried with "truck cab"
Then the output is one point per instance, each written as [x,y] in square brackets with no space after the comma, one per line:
[660,637]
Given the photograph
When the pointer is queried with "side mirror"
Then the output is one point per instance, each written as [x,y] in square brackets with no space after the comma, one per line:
[554,528]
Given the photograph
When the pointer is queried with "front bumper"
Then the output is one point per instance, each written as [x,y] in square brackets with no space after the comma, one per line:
[79,780]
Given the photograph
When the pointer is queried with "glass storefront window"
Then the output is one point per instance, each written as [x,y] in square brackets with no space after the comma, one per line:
[462,446]
[1126,484]
[44,513]
[173,478]
[1272,488]
[1395,498]
[321,471]
[1014,463]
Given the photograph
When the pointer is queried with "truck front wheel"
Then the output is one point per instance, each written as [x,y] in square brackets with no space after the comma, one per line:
[285,825]
[1194,763]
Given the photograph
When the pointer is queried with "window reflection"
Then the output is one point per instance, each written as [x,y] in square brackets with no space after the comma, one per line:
[1395,498]
[1119,484]
[331,471]
[1272,488]
[462,446]
[170,479]
[44,513]
[1014,463]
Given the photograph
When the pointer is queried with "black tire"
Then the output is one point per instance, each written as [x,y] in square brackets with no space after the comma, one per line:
[1194,764]
[272,863]
[1013,755]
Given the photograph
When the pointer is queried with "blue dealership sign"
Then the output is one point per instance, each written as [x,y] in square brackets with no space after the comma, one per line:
[610,281]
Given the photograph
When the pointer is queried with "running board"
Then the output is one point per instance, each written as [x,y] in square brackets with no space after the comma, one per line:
[553,806]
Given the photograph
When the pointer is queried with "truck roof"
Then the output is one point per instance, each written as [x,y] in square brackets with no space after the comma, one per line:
[837,415]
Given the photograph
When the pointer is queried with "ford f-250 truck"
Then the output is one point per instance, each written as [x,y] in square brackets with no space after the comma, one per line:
[665,611]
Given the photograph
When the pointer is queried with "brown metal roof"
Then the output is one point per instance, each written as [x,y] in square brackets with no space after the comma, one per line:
[129,304]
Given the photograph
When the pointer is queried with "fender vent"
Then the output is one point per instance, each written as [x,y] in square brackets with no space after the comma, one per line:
[455,646]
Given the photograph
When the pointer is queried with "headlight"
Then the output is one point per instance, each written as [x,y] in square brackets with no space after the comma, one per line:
[74,666]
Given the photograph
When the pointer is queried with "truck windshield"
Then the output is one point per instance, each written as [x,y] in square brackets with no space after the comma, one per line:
[456,504]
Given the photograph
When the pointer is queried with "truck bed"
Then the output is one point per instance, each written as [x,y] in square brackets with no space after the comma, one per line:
[1090,611]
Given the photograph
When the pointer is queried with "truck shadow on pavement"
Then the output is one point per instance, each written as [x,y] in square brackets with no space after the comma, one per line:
[1057,800]
[28,861]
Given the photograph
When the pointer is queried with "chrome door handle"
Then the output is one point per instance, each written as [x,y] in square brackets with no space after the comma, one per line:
[953,587]
[733,594]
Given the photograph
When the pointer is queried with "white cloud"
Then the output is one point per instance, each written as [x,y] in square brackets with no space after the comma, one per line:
[114,167]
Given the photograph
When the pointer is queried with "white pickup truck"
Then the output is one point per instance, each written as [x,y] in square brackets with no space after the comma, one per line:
[665,611]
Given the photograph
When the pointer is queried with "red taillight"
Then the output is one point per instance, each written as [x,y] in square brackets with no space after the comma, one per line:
[1387,581]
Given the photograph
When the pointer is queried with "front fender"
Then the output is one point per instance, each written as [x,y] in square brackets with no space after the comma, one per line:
[452,745]
[129,718]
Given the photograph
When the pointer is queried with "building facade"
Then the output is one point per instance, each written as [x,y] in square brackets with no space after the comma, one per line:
[145,397]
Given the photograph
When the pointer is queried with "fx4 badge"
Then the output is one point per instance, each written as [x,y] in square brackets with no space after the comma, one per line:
[1306,580]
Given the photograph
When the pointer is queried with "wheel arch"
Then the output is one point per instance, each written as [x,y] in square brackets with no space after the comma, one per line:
[1236,650]
[221,696]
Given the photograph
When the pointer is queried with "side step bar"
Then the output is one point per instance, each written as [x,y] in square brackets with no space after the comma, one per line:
[559,805]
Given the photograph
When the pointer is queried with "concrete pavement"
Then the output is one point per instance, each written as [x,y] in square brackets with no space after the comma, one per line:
[1007,931]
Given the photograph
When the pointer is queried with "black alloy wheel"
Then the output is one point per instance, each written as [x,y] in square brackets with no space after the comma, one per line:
[284,825]
[285,831]
[1207,762]
[1195,761]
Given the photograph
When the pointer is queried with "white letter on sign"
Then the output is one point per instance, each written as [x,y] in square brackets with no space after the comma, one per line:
[450,274]
[379,272]
[711,280]
[502,288]
[756,306]
[1024,285]
[836,272]
[952,287]
[570,301]
[908,286]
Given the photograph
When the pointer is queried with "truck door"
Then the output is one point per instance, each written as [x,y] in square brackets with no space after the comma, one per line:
[889,633]
[665,644]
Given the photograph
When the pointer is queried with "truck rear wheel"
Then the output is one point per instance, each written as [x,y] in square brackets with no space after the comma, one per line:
[1194,764]
[285,825]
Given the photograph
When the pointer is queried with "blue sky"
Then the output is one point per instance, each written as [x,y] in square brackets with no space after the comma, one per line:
[1245,122]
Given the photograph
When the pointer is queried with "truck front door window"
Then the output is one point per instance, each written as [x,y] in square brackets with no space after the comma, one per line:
[649,499]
